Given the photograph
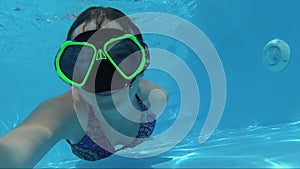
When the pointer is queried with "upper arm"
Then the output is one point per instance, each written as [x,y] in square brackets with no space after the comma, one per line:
[154,96]
[33,138]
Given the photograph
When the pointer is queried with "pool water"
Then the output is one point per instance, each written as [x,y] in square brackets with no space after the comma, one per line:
[259,115]
[272,146]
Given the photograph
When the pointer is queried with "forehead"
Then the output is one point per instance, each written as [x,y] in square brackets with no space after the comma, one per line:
[99,37]
[92,25]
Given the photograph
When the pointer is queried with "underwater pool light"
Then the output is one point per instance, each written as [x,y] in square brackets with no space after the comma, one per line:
[276,55]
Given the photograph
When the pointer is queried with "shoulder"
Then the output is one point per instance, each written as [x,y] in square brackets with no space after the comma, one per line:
[153,96]
[146,87]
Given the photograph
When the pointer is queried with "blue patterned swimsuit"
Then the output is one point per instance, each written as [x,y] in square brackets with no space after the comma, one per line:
[87,149]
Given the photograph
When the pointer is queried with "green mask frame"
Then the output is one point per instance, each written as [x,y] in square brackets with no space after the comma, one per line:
[100,54]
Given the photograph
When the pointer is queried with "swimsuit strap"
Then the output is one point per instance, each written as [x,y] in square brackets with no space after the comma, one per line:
[94,145]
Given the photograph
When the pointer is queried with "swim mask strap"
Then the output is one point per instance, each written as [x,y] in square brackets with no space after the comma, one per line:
[147,56]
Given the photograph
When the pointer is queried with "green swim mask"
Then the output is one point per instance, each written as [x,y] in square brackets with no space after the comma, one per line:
[94,58]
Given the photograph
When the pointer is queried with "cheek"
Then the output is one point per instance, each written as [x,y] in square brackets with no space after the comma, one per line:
[81,68]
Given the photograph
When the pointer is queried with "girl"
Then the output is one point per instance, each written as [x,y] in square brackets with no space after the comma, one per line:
[109,104]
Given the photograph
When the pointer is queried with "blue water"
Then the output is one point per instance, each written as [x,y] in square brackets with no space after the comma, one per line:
[260,122]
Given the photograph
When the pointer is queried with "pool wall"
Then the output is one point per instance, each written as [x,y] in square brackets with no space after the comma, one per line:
[31,33]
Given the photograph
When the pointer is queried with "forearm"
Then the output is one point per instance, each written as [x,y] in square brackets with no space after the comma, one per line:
[24,146]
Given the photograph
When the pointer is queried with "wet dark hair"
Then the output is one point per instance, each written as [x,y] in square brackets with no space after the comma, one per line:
[102,14]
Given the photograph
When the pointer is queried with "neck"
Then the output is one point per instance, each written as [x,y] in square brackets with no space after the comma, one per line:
[117,101]
[120,108]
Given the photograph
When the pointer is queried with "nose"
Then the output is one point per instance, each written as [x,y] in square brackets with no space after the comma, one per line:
[100,55]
